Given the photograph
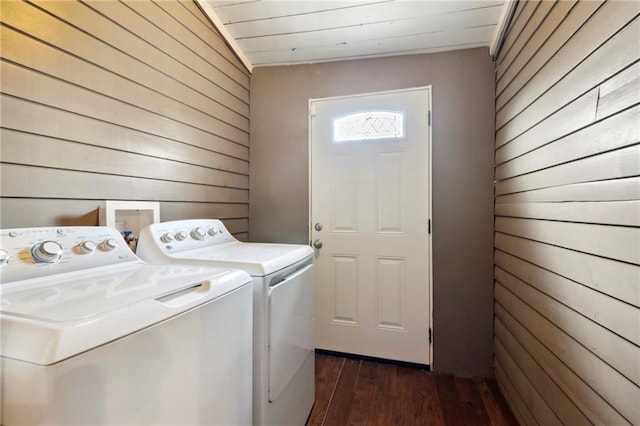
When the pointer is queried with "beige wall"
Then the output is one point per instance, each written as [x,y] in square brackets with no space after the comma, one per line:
[463,116]
[567,240]
[128,101]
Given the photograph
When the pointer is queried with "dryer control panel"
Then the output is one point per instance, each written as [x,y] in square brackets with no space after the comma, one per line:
[183,235]
[27,253]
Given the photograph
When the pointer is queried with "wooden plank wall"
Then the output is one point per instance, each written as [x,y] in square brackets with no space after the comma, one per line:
[134,100]
[567,206]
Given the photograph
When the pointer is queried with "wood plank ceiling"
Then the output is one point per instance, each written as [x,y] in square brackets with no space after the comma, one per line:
[272,32]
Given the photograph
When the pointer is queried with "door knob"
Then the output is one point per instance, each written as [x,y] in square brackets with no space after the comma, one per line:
[317,244]
[318,226]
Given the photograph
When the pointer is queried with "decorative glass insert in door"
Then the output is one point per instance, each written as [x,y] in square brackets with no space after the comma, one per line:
[369,125]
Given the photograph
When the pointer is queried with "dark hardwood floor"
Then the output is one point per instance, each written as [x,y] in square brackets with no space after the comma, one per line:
[358,392]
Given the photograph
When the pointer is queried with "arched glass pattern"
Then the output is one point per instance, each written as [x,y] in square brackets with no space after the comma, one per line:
[368,125]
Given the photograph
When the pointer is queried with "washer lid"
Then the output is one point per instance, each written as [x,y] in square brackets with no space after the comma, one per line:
[46,321]
[258,259]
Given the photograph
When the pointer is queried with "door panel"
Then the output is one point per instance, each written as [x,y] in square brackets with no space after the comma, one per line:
[391,293]
[372,198]
[344,287]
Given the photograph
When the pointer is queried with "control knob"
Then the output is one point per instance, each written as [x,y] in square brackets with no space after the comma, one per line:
[109,244]
[47,252]
[4,257]
[181,236]
[87,247]
[213,231]
[198,233]
[166,238]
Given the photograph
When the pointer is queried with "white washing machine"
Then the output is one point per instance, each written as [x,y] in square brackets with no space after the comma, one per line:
[92,335]
[284,376]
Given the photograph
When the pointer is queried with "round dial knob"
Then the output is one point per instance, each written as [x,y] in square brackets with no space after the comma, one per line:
[213,231]
[109,245]
[181,236]
[47,252]
[166,238]
[198,233]
[87,247]
[4,257]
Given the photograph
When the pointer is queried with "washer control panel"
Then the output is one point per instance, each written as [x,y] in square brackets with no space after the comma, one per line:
[27,253]
[182,235]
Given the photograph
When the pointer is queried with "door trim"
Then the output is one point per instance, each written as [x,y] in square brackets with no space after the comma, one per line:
[429,120]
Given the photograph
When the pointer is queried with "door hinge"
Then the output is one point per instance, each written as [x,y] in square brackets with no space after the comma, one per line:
[429,334]
[429,118]
[429,225]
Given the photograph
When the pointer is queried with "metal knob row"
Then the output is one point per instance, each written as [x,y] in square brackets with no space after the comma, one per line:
[198,233]
[51,251]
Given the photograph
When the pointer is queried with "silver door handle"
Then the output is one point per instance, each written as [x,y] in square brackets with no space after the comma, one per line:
[317,244]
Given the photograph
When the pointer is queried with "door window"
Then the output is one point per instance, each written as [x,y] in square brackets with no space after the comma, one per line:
[369,125]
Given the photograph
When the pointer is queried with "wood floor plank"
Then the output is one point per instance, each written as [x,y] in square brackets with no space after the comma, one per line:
[417,398]
[471,399]
[495,404]
[366,392]
[454,413]
[375,380]
[365,410]
[338,412]
[327,373]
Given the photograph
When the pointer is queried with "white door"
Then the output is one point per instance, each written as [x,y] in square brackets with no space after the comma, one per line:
[370,212]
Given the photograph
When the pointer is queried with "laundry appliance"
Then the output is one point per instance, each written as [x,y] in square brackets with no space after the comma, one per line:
[90,334]
[283,315]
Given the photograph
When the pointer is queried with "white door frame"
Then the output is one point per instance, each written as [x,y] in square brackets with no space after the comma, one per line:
[428,89]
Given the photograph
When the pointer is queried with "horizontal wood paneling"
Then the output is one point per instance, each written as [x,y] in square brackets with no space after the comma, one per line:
[519,408]
[202,55]
[606,385]
[37,182]
[592,71]
[28,149]
[539,14]
[557,13]
[607,190]
[120,100]
[80,212]
[617,132]
[556,37]
[613,242]
[522,16]
[617,164]
[200,35]
[528,391]
[617,279]
[120,24]
[40,88]
[590,315]
[608,20]
[577,114]
[567,207]
[564,391]
[623,213]
[56,123]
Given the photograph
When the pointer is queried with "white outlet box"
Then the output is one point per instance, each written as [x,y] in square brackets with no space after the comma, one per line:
[130,215]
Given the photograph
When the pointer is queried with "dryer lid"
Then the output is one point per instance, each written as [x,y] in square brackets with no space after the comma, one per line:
[258,259]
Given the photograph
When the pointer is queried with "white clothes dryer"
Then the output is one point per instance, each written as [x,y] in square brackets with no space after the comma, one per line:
[90,334]
[284,363]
